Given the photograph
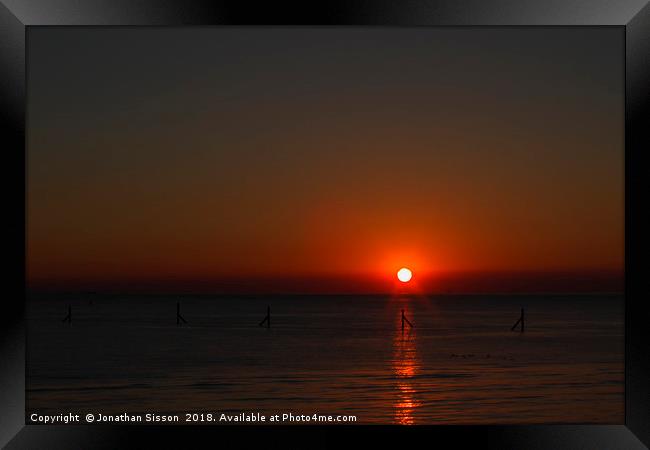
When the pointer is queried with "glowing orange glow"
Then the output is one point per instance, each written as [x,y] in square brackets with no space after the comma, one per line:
[274,193]
[404,275]
[406,365]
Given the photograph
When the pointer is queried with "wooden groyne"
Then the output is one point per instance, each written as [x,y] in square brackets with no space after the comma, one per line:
[179,318]
[267,319]
[405,320]
[519,321]
[68,318]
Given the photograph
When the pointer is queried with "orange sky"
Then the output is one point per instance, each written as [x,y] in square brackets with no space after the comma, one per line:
[323,155]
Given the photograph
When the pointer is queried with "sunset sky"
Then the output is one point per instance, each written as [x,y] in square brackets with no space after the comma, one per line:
[324,159]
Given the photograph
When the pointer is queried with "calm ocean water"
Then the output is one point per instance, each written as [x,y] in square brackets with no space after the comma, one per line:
[332,355]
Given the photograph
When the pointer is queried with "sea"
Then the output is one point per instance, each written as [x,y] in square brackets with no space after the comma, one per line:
[336,356]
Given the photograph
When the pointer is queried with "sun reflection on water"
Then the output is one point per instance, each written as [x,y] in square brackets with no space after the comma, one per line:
[406,366]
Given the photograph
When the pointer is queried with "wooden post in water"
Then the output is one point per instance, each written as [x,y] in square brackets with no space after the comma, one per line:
[520,320]
[68,318]
[178,314]
[404,319]
[267,319]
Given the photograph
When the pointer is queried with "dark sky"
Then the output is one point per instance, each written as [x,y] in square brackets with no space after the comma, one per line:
[335,155]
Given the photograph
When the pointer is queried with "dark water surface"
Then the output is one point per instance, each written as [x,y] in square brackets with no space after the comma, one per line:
[332,355]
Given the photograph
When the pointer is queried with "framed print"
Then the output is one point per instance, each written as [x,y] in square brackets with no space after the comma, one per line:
[265,225]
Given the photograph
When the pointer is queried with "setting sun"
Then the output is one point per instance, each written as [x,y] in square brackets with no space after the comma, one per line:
[404,275]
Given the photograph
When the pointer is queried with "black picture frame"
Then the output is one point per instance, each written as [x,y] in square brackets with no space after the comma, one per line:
[17,17]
